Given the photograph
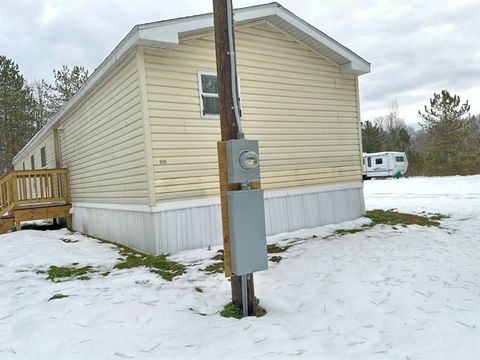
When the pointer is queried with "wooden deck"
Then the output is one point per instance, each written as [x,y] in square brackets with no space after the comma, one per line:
[27,195]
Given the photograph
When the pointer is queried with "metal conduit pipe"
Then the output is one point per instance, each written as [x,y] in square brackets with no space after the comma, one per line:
[233,70]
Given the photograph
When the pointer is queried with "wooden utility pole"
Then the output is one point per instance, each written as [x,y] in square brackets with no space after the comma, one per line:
[229,130]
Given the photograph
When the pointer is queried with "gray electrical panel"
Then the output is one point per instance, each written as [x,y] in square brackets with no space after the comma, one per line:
[242,161]
[248,240]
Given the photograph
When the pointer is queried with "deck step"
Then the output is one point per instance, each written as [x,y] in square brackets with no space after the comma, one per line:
[6,224]
[35,212]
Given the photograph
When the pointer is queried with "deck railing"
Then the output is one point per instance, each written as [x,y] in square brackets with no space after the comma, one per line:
[27,187]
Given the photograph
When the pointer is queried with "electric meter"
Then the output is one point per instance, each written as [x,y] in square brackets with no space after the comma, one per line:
[248,160]
[243,162]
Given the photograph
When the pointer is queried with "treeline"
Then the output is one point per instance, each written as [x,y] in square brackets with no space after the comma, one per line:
[447,143]
[26,106]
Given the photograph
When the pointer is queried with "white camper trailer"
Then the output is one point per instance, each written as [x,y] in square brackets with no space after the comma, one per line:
[384,164]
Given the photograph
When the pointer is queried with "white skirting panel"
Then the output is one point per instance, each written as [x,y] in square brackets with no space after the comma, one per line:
[183,225]
[134,229]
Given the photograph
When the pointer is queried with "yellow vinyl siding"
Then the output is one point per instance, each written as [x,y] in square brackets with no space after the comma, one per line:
[46,142]
[295,102]
[102,142]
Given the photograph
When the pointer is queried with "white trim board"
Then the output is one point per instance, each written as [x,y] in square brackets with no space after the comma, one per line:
[215,200]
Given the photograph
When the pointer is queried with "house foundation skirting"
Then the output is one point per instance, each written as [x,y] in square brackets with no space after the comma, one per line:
[182,225]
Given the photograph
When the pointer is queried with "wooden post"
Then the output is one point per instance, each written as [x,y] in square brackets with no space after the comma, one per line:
[229,131]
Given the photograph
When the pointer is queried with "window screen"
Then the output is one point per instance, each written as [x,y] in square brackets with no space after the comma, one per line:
[43,155]
[378,161]
[399,159]
[209,94]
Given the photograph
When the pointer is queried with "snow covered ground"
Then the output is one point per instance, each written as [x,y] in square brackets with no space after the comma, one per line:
[404,293]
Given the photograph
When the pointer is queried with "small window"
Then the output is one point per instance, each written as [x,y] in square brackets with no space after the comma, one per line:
[378,161]
[24,165]
[209,94]
[399,159]
[369,161]
[43,155]
[32,160]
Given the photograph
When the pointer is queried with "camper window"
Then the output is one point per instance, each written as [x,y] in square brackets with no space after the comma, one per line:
[399,159]
[369,161]
[208,94]
[378,161]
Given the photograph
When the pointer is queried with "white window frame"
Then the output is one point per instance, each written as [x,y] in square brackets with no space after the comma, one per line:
[201,93]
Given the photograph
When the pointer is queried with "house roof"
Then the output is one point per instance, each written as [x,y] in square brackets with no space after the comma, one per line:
[167,34]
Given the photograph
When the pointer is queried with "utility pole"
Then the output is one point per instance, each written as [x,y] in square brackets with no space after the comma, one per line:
[227,91]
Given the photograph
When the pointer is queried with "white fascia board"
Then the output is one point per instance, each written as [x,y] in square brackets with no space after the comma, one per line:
[355,67]
[358,65]
[162,37]
[255,13]
[169,30]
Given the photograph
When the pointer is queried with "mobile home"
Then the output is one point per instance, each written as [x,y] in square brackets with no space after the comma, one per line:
[385,164]
[139,138]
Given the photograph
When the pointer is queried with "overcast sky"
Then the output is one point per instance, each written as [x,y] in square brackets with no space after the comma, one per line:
[416,47]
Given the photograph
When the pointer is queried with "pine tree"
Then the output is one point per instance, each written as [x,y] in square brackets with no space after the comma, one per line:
[67,83]
[444,121]
[471,149]
[16,112]
[371,137]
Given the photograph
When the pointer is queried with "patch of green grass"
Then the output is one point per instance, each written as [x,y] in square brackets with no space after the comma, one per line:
[218,266]
[394,218]
[275,249]
[232,310]
[350,231]
[260,310]
[58,273]
[390,217]
[438,217]
[215,268]
[218,257]
[158,264]
[58,296]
